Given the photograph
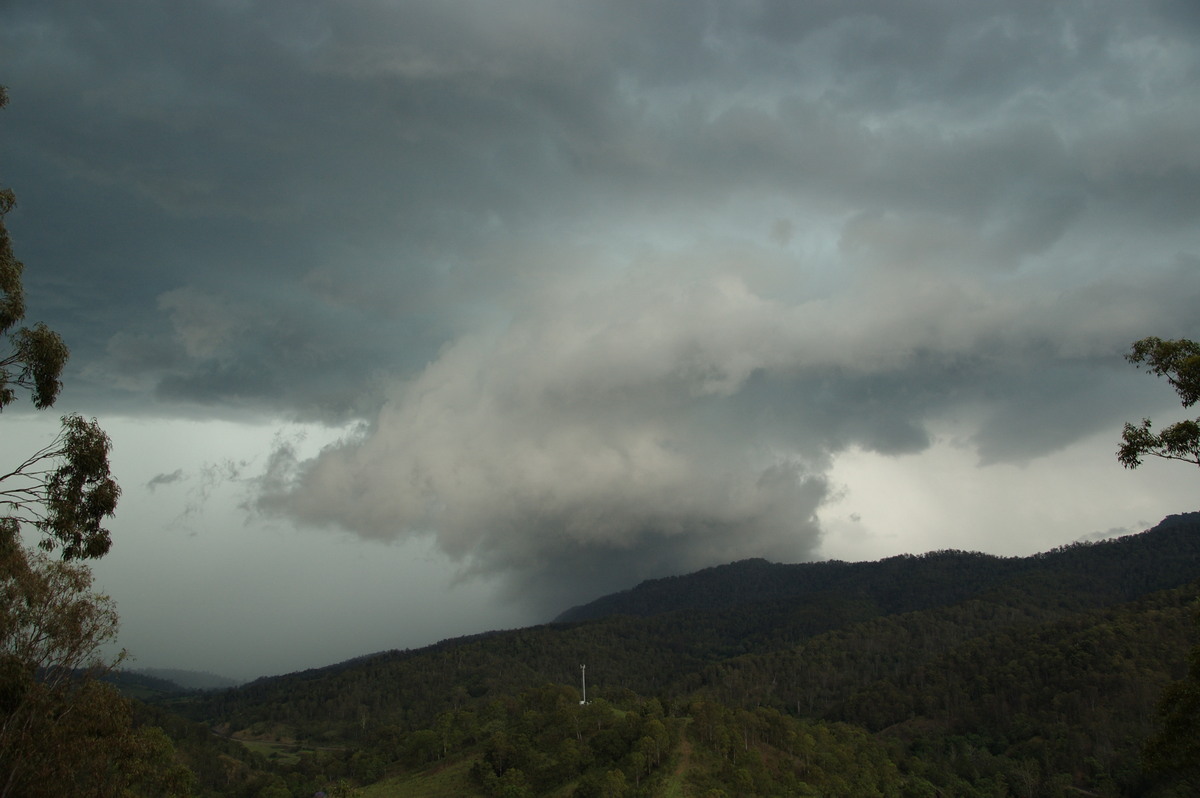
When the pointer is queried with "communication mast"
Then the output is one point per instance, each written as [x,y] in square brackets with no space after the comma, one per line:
[583,679]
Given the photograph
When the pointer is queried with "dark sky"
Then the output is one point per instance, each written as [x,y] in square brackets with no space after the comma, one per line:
[438,315]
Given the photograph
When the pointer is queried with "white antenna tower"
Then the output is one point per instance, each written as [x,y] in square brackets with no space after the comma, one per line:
[583,677]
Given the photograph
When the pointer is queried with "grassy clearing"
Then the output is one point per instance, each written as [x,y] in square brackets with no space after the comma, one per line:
[285,752]
[445,781]
[673,787]
[673,784]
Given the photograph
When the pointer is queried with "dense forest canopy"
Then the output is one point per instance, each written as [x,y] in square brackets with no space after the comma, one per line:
[948,673]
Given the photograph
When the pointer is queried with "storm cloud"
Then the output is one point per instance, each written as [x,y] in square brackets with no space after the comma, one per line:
[609,286]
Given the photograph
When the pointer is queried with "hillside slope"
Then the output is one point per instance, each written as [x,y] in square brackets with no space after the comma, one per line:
[762,608]
[1163,557]
[955,673]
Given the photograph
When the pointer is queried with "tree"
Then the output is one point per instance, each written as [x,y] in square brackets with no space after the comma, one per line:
[1179,362]
[65,490]
[1176,747]
[62,731]
[38,354]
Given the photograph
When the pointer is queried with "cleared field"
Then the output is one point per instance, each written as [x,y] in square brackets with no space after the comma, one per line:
[451,781]
[284,752]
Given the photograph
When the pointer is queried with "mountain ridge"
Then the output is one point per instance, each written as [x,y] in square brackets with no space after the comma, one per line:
[682,637]
[188,679]
[725,586]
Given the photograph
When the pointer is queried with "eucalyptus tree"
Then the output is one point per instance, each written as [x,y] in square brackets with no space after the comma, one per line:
[62,732]
[1176,747]
[1179,362]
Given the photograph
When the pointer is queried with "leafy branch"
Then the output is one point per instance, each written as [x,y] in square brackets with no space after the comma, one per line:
[1179,362]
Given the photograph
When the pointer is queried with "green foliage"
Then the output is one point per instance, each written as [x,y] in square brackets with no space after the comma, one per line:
[37,355]
[77,737]
[764,752]
[62,732]
[66,491]
[51,626]
[1178,441]
[12,294]
[1035,675]
[1174,750]
[447,780]
[1179,362]
[50,621]
[1179,746]
[41,354]
[544,739]
[668,655]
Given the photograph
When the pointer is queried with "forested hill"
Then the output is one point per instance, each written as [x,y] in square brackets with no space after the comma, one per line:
[954,673]
[757,608]
[1163,557]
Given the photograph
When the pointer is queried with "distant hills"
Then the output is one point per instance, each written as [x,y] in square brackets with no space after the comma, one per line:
[948,673]
[188,679]
[155,683]
[1131,565]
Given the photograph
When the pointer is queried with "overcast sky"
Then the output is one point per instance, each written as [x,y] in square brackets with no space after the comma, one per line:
[414,319]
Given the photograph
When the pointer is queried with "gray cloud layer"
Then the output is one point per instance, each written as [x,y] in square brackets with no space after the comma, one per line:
[610,283]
